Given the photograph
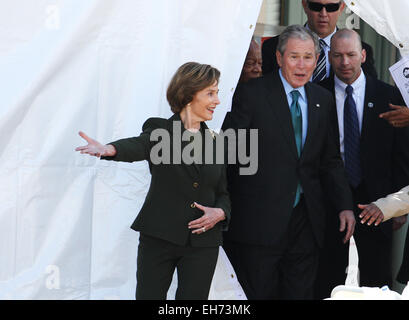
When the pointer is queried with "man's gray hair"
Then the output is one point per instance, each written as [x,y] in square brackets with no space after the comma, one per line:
[297,32]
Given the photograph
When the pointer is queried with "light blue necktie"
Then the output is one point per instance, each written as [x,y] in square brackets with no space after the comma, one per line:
[296,117]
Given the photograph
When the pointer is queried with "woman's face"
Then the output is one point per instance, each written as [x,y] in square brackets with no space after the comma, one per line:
[204,103]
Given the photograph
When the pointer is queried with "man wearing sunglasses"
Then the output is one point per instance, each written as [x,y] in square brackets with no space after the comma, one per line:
[322,18]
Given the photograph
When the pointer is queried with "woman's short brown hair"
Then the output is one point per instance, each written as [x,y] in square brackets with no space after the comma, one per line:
[189,79]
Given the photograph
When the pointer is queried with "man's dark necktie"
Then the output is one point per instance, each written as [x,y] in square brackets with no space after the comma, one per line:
[296,117]
[320,72]
[351,140]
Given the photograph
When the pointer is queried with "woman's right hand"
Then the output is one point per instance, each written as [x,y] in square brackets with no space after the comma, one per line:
[94,148]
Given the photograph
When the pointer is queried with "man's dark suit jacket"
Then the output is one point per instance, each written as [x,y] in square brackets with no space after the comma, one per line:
[384,149]
[168,207]
[262,203]
[269,60]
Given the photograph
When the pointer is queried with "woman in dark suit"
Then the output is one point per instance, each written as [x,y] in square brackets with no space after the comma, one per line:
[187,205]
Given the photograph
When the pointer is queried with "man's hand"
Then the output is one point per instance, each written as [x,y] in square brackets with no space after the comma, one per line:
[347,221]
[372,213]
[398,117]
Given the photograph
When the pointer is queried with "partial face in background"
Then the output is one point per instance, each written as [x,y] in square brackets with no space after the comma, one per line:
[324,21]
[298,61]
[204,102]
[346,56]
[252,64]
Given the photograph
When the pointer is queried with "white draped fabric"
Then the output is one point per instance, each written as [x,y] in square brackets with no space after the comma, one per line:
[388,18]
[101,67]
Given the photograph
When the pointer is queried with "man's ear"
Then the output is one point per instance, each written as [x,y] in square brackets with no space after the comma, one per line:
[304,5]
[342,7]
[279,58]
[363,55]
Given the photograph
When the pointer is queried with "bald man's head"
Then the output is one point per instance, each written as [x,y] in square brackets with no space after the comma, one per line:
[346,55]
[252,64]
[348,34]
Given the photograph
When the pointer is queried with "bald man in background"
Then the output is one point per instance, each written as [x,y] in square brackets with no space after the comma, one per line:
[376,158]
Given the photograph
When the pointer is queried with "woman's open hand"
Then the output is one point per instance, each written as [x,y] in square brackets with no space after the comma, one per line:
[94,148]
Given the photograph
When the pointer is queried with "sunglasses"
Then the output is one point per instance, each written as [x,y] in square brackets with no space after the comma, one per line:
[330,7]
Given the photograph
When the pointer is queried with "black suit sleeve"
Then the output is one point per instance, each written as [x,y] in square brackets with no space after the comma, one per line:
[223,199]
[135,148]
[241,112]
[332,172]
[400,148]
[369,65]
[268,52]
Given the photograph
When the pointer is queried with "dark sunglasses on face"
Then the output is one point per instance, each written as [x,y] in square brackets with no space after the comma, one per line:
[330,7]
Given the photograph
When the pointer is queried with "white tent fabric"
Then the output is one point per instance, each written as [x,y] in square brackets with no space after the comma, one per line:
[388,18]
[101,67]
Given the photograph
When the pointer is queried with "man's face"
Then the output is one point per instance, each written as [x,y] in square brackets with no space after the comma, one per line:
[298,61]
[323,23]
[346,57]
[252,64]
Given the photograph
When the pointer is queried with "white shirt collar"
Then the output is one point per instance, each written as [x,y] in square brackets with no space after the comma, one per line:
[288,88]
[358,85]
[327,39]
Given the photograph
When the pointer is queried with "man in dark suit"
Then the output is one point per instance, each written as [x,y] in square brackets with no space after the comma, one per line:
[278,217]
[322,17]
[376,157]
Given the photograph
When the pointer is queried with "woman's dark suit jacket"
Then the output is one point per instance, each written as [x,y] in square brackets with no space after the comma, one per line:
[168,207]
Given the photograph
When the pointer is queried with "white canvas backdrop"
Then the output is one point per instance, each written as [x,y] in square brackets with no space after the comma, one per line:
[101,67]
[388,18]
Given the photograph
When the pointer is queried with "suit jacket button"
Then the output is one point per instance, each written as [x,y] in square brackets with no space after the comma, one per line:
[193,205]
[195,185]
